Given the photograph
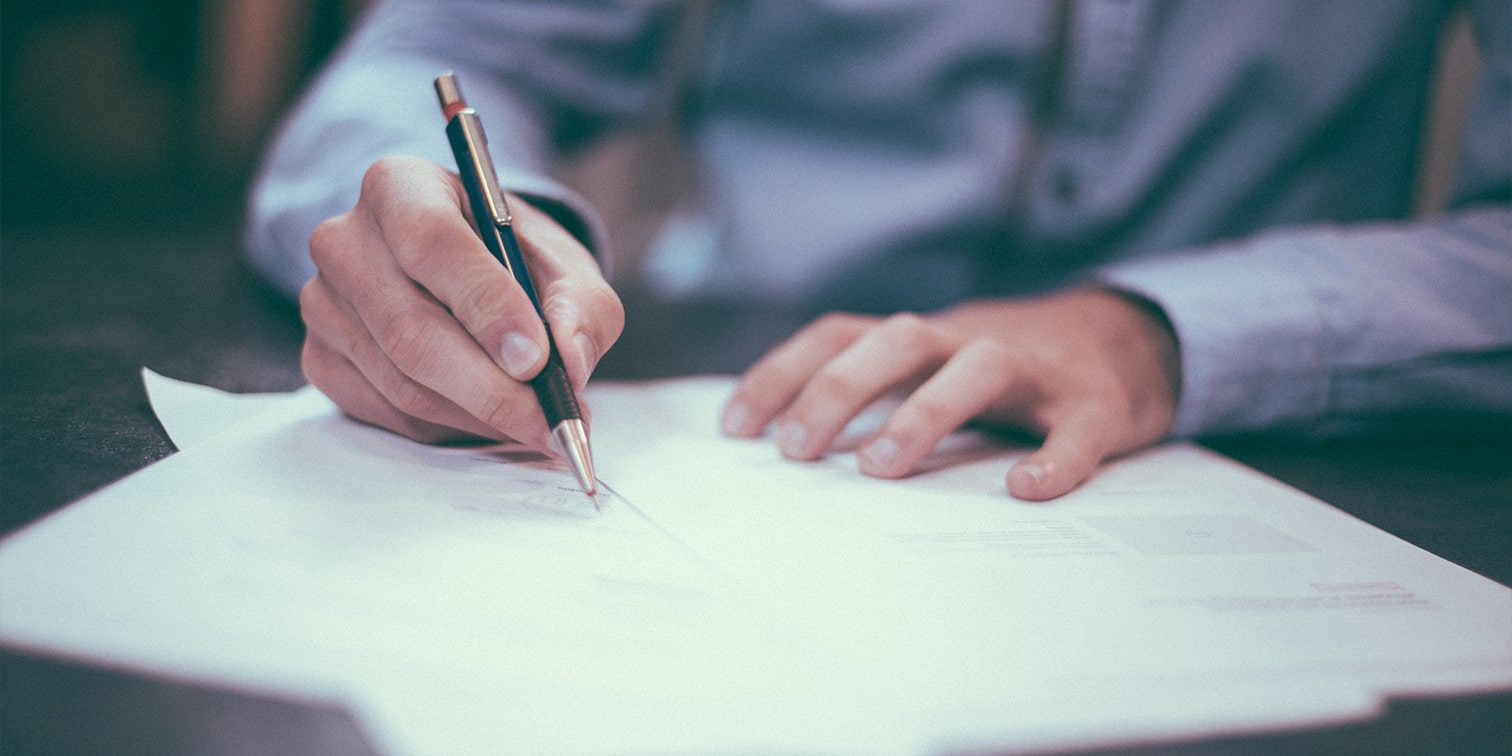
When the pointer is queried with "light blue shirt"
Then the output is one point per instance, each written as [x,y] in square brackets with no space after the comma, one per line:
[1247,166]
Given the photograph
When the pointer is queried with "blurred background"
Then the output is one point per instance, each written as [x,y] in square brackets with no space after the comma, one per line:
[131,114]
[129,130]
[147,118]
[143,117]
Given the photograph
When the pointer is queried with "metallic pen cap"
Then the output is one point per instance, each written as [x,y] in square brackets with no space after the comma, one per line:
[572,441]
[472,151]
[448,90]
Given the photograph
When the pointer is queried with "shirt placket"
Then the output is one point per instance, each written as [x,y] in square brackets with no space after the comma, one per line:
[1105,43]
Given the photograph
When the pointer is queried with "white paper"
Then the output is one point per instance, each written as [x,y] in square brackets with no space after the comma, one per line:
[1173,569]
[468,600]
[192,413]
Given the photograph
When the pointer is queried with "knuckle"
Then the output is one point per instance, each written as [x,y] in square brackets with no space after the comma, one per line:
[991,353]
[384,172]
[834,330]
[753,381]
[433,235]
[408,340]
[906,321]
[320,318]
[479,303]
[410,398]
[924,411]
[326,241]
[756,392]
[500,410]
[309,299]
[312,363]
[906,332]
[830,385]
[835,323]
[608,311]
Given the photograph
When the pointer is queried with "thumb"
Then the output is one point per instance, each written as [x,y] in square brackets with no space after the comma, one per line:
[1072,450]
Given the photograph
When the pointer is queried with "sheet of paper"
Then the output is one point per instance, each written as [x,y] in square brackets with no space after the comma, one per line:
[192,413]
[459,600]
[1174,566]
[721,598]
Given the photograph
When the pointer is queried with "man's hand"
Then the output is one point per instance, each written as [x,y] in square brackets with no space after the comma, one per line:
[412,325]
[1092,371]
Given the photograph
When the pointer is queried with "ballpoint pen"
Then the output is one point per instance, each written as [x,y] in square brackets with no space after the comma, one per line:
[496,226]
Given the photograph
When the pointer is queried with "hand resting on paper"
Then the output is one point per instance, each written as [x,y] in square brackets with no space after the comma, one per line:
[1092,371]
[413,326]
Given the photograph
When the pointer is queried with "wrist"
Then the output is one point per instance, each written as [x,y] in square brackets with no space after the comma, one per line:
[1151,335]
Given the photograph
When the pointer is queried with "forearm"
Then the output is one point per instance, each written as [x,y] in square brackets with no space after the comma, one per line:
[1329,328]
[376,99]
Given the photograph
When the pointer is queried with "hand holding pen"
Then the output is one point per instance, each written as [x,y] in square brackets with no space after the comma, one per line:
[495,224]
[413,325]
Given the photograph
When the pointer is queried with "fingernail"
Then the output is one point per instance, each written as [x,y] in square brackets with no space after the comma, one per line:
[880,454]
[736,419]
[1035,473]
[792,438]
[1027,480]
[519,354]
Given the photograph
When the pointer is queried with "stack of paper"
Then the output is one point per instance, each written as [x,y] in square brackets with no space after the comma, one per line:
[719,598]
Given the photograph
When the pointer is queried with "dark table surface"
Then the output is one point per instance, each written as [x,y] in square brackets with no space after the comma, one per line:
[81,314]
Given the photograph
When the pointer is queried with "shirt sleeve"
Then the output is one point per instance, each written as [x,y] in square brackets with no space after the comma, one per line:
[1334,329]
[545,77]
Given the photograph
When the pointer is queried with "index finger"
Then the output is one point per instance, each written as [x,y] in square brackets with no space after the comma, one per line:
[775,380]
[418,209]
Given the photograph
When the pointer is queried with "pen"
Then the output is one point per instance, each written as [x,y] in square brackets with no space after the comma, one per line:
[496,226]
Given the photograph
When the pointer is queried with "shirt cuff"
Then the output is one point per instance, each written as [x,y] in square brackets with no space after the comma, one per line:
[1249,331]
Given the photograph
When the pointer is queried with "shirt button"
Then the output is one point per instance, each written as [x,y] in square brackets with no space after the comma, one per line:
[1065,185]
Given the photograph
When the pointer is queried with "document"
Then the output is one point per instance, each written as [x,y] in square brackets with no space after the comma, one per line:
[1172,569]
[716,597]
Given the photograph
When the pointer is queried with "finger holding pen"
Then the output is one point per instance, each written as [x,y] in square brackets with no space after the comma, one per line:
[496,228]
[410,318]
[446,257]
[403,264]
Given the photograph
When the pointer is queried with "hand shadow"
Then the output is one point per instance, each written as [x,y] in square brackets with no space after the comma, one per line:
[974,442]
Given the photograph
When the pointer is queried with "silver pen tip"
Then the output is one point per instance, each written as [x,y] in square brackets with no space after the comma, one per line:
[572,441]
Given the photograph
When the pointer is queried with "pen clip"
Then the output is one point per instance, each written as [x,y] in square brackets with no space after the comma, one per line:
[483,167]
[466,121]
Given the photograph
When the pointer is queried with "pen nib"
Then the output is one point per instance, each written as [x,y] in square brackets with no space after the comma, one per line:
[572,441]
